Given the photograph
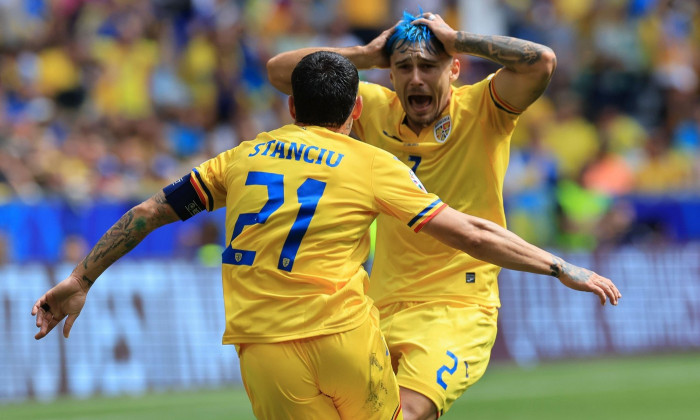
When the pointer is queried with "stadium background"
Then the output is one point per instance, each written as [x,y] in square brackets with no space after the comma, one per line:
[104,102]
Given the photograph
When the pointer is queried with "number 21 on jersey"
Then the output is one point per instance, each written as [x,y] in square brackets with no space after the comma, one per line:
[308,195]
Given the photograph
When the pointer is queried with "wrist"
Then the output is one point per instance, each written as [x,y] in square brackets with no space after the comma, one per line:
[556,267]
[363,56]
[84,281]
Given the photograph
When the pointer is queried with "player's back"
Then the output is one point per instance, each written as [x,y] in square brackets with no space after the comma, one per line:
[299,203]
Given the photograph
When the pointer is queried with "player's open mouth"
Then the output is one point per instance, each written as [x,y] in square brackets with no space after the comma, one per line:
[420,102]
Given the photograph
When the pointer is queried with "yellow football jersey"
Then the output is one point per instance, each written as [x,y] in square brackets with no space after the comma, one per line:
[463,159]
[299,202]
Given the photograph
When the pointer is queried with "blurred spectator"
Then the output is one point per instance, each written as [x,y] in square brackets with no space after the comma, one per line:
[608,174]
[663,170]
[367,18]
[571,138]
[99,97]
[74,249]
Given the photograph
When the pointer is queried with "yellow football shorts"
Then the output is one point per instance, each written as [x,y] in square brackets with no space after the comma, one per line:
[339,376]
[439,349]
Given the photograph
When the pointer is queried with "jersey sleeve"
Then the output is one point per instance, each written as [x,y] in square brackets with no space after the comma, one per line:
[496,114]
[204,188]
[399,193]
[209,180]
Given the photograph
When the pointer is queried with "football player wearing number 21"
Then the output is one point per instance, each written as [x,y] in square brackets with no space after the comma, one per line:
[299,201]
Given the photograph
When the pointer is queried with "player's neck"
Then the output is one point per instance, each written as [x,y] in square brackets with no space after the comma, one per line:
[343,129]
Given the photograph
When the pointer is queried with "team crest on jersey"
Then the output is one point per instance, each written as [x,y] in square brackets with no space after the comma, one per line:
[238,256]
[416,181]
[285,262]
[442,129]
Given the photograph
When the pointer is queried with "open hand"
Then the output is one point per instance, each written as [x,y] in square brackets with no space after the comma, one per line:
[584,280]
[67,298]
[374,50]
[444,33]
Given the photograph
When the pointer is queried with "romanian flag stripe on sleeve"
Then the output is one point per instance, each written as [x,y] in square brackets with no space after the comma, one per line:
[200,187]
[426,214]
[500,103]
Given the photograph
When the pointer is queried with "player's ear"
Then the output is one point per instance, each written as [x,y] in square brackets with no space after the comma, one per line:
[292,110]
[357,110]
[454,69]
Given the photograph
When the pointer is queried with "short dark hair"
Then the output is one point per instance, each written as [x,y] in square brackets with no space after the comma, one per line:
[324,88]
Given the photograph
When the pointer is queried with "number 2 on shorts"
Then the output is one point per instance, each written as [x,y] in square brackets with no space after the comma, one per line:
[444,369]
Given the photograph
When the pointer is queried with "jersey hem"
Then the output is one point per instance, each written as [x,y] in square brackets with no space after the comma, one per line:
[244,339]
[467,300]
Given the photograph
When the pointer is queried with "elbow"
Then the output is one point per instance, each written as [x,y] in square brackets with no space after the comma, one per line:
[270,66]
[471,239]
[548,63]
[148,216]
[144,211]
[473,244]
[273,67]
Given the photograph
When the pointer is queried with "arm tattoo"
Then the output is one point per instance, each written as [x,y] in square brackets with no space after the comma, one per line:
[128,232]
[555,267]
[121,237]
[578,274]
[88,282]
[505,50]
[164,212]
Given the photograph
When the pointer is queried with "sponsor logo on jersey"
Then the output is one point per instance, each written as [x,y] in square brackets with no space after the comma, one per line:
[442,129]
[416,181]
[471,277]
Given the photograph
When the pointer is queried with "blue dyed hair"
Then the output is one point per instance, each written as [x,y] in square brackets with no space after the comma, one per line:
[408,33]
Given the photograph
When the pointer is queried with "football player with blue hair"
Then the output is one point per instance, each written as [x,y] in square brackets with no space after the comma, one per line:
[439,307]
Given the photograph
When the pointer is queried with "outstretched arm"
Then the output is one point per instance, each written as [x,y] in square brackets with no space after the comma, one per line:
[528,66]
[280,67]
[68,297]
[489,242]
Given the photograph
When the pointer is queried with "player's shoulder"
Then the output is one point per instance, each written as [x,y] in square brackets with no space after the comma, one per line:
[380,156]
[474,88]
[371,90]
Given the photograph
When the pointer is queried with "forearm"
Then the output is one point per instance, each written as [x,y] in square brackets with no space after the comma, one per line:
[123,236]
[280,67]
[489,242]
[515,54]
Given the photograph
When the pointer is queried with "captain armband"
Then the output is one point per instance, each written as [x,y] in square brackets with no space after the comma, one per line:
[183,198]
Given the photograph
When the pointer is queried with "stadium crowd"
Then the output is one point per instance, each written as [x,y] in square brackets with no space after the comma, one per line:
[113,99]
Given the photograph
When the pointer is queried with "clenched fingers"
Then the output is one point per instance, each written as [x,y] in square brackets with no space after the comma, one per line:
[45,319]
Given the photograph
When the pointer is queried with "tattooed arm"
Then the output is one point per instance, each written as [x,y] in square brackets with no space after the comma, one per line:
[280,67]
[528,66]
[489,242]
[121,238]
[68,297]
